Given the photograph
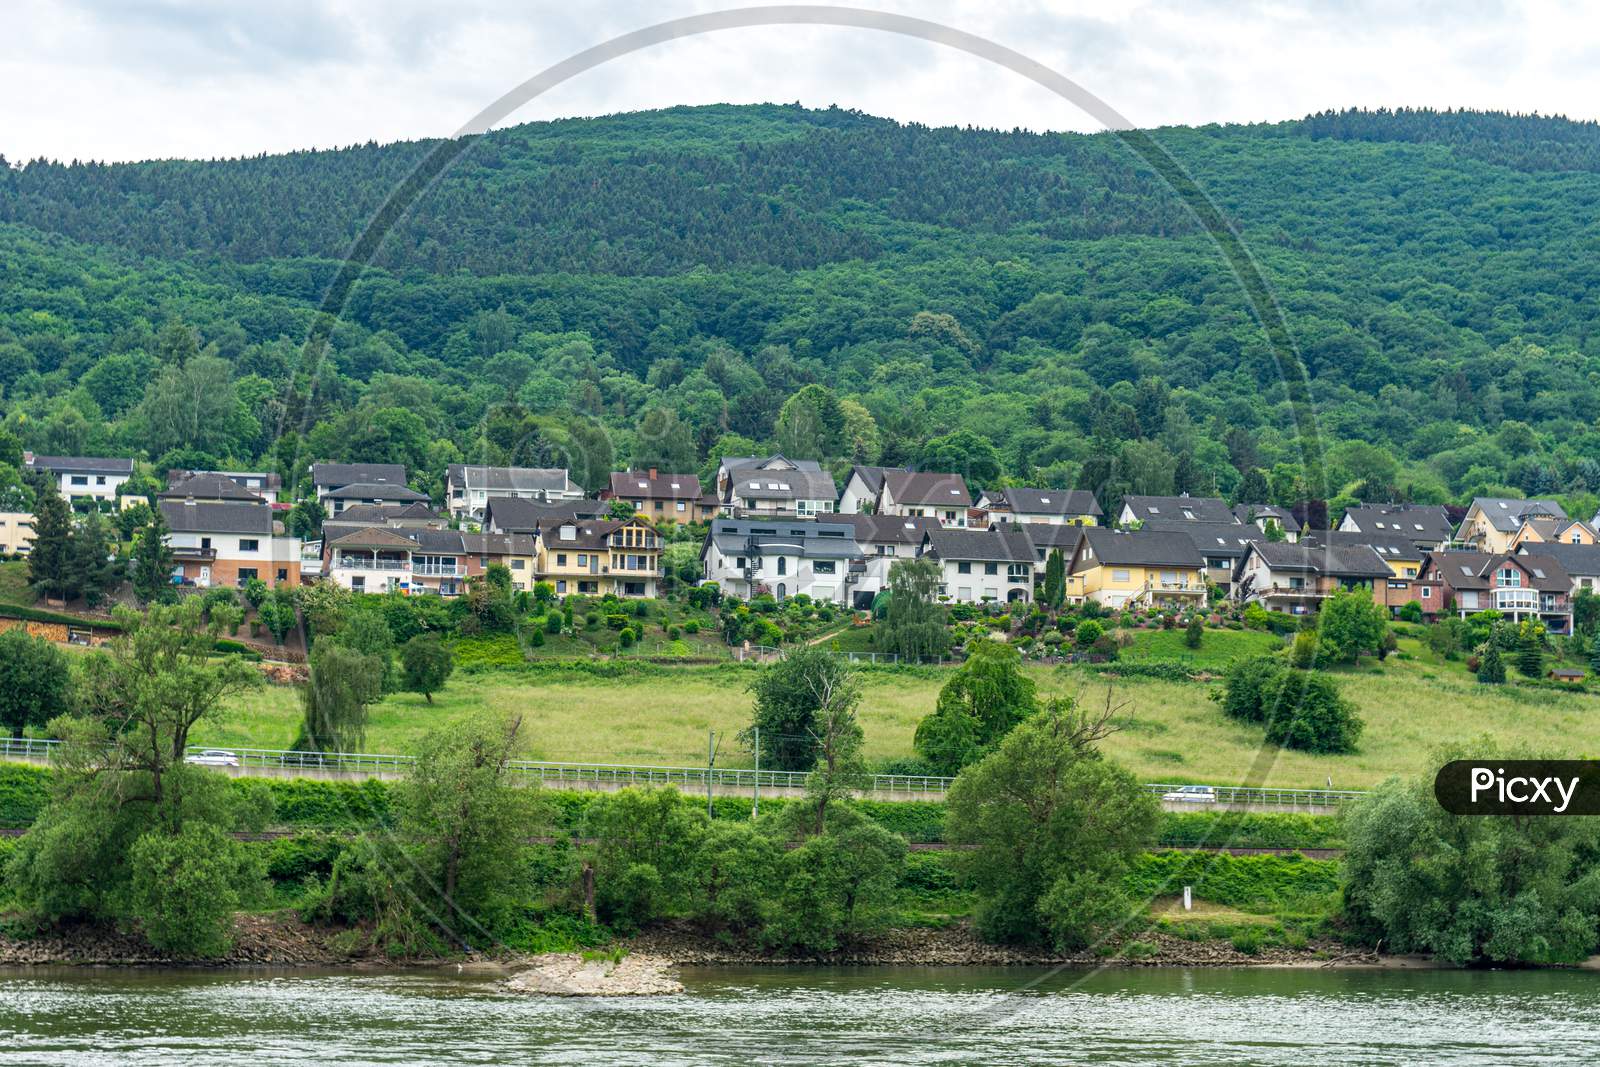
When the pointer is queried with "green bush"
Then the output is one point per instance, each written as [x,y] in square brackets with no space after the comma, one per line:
[24,791]
[1246,829]
[1234,881]
[488,650]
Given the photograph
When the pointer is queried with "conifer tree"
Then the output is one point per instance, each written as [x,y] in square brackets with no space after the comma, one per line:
[50,559]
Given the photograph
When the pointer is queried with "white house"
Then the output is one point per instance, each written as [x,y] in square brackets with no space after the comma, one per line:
[978,566]
[1054,507]
[228,543]
[861,488]
[469,488]
[329,477]
[83,476]
[782,556]
[925,494]
[775,485]
[1428,526]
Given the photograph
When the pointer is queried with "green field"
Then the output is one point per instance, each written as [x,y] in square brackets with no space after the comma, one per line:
[1172,731]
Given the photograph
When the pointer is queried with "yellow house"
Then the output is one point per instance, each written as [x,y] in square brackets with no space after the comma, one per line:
[1137,568]
[1547,529]
[594,557]
[16,533]
[1492,523]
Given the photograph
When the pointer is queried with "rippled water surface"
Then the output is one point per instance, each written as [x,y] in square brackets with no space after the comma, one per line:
[896,1016]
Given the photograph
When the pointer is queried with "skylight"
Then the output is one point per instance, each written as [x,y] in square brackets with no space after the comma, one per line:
[1044,500]
[1537,573]
[1466,570]
[1154,510]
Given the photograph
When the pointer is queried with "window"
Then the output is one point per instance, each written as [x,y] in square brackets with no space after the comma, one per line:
[561,559]
[249,544]
[963,567]
[1427,592]
[519,564]
[205,542]
[783,565]
[583,559]
[245,574]
[80,479]
[739,562]
[991,568]
[823,566]
[561,585]
[681,506]
[1508,577]
[358,584]
[1121,576]
[283,574]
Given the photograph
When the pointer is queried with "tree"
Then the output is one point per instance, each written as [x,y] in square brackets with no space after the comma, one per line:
[1046,830]
[50,559]
[965,453]
[1491,668]
[1055,580]
[840,770]
[92,568]
[1469,889]
[789,704]
[1300,709]
[620,509]
[1530,649]
[1349,624]
[277,613]
[983,700]
[427,663]
[367,631]
[152,560]
[1594,654]
[811,424]
[34,681]
[1195,633]
[914,626]
[334,699]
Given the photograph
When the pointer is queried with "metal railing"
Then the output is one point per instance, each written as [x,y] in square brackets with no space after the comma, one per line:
[616,775]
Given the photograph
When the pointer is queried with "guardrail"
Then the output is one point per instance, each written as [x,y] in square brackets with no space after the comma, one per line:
[616,775]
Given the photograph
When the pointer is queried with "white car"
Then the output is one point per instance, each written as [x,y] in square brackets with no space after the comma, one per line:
[1192,794]
[212,757]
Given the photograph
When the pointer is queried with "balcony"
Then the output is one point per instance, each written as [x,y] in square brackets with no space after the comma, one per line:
[438,570]
[367,563]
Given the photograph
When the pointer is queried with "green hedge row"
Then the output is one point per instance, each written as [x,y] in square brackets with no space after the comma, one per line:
[23,792]
[1234,881]
[1245,829]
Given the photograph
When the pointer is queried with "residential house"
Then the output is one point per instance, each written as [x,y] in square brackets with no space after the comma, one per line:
[1054,507]
[1047,537]
[594,557]
[439,560]
[662,497]
[1263,516]
[327,477]
[1581,562]
[1493,522]
[16,533]
[468,488]
[506,515]
[1547,529]
[384,494]
[889,536]
[925,494]
[1517,586]
[1428,526]
[79,477]
[997,565]
[862,486]
[782,556]
[1221,545]
[1297,578]
[228,543]
[1138,568]
[261,484]
[775,485]
[1404,559]
[206,486]
[517,553]
[370,560]
[395,516]
[1185,507]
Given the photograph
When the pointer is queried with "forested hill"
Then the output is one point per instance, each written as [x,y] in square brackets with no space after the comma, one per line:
[659,287]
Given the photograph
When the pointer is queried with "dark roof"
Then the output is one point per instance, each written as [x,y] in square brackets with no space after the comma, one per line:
[1427,524]
[382,513]
[889,529]
[826,539]
[1335,561]
[1047,535]
[587,533]
[211,517]
[871,477]
[1575,559]
[1212,539]
[334,475]
[1201,508]
[376,491]
[80,464]
[995,544]
[436,541]
[523,516]
[658,487]
[207,486]
[1252,513]
[374,537]
[1141,548]
[1475,570]
[927,488]
[1394,545]
[778,478]
[1024,501]
[510,479]
[1506,514]
[482,544]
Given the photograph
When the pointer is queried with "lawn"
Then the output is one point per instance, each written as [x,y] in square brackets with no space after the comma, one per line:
[14,583]
[1171,730]
[1218,648]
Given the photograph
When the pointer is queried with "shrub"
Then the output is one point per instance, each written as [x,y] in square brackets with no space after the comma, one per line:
[1411,611]
[691,627]
[552,622]
[1088,632]
[1194,633]
[626,637]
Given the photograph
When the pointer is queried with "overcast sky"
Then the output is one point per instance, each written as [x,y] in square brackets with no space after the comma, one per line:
[137,79]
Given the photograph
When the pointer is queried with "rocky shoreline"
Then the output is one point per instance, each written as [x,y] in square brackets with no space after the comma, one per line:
[574,975]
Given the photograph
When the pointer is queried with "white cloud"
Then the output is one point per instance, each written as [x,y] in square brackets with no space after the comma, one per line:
[129,79]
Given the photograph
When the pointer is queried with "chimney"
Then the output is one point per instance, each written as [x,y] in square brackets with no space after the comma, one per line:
[652,474]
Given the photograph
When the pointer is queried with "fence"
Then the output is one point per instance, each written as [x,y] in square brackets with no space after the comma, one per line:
[611,775]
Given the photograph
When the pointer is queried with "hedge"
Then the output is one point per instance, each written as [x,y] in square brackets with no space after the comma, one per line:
[18,611]
[1234,881]
[1244,829]
[24,790]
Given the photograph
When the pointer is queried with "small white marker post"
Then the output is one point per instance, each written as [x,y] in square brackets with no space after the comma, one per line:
[1188,898]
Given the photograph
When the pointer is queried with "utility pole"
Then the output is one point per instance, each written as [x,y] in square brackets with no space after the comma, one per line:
[756,810]
[711,761]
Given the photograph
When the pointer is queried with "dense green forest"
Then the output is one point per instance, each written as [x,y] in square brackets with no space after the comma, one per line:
[664,288]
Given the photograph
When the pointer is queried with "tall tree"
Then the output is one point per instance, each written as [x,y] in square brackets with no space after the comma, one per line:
[1055,580]
[50,559]
[34,681]
[914,625]
[342,683]
[152,561]
[93,567]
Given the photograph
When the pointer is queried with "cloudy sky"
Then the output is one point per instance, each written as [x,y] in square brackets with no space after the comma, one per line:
[136,79]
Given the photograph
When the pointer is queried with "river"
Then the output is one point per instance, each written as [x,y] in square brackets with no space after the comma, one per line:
[898,1016]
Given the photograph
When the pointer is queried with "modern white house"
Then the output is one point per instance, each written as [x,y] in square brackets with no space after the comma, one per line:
[1054,507]
[83,476]
[774,485]
[925,494]
[861,488]
[782,556]
[996,565]
[1428,526]
[469,488]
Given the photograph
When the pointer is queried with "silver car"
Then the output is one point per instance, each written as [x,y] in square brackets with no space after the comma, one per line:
[1192,794]
[212,757]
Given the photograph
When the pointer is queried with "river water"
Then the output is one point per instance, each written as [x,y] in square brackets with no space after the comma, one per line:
[900,1016]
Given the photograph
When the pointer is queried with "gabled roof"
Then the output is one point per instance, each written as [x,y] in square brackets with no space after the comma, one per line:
[1424,523]
[644,485]
[384,513]
[587,533]
[1020,500]
[778,478]
[79,464]
[1253,513]
[377,491]
[510,479]
[1137,548]
[1394,545]
[523,516]
[871,477]
[482,544]
[829,539]
[334,475]
[206,517]
[1046,536]
[1226,540]
[1186,508]
[1476,570]
[994,545]
[928,489]
[374,537]
[1506,514]
[1335,561]
[1574,559]
[207,486]
[889,529]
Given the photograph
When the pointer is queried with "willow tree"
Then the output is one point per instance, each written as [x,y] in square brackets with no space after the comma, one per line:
[914,625]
